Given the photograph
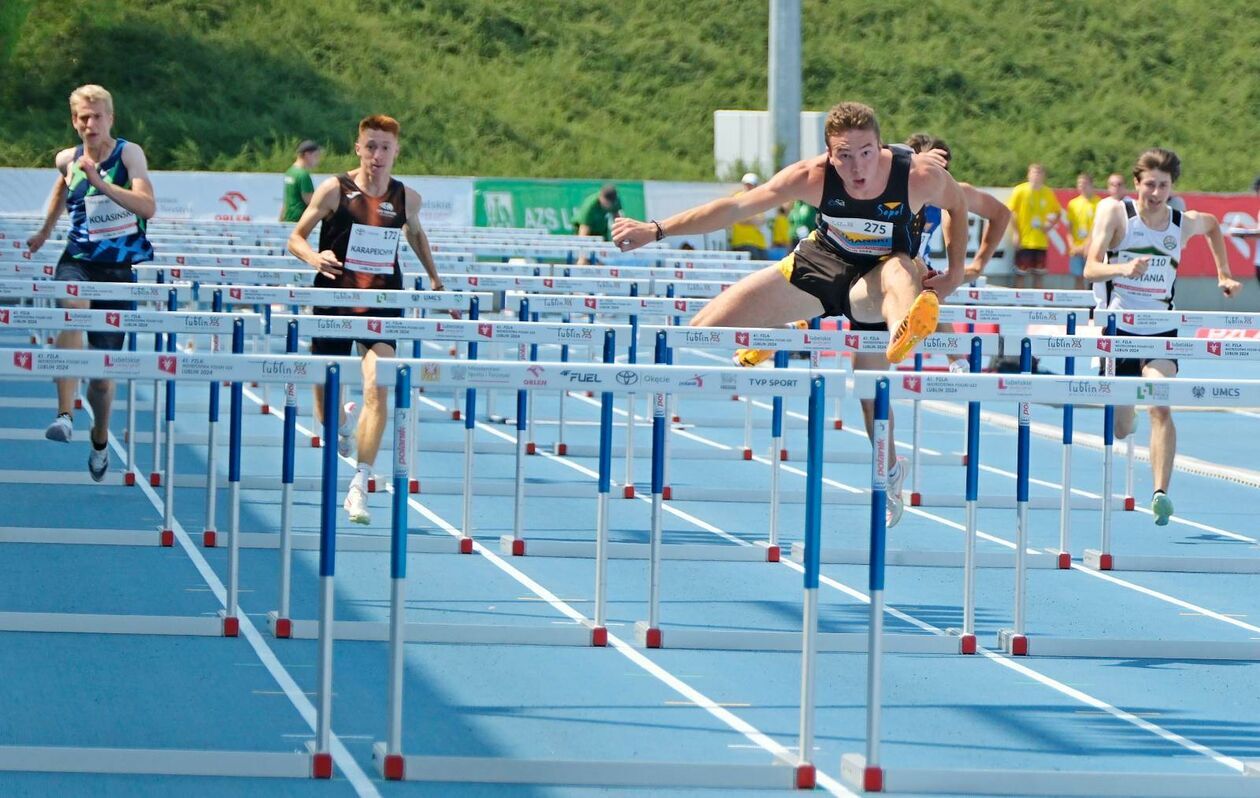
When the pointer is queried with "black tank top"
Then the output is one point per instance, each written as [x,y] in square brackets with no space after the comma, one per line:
[864,232]
[356,208]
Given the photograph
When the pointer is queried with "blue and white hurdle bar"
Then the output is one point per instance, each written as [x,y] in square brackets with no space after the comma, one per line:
[867,771]
[236,368]
[393,764]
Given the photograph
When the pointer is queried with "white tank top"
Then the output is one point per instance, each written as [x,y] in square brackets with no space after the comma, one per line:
[1152,290]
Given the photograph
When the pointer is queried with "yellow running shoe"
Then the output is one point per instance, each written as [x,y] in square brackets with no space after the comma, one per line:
[918,324]
[752,357]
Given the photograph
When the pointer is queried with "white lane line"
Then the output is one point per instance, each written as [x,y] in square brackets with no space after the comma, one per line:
[363,786]
[627,650]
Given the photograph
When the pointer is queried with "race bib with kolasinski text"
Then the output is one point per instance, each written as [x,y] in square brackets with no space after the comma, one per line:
[107,219]
[372,250]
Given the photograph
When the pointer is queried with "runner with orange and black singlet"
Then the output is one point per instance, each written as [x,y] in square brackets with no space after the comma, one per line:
[365,213]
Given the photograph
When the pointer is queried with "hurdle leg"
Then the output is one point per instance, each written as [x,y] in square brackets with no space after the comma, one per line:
[967,643]
[562,448]
[628,484]
[130,477]
[470,412]
[155,475]
[1101,559]
[1014,641]
[516,543]
[327,563]
[1129,500]
[210,533]
[398,577]
[813,542]
[599,633]
[748,425]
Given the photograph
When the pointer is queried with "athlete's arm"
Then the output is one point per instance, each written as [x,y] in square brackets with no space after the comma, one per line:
[802,180]
[419,241]
[323,204]
[997,217]
[1109,223]
[1200,223]
[56,203]
[932,185]
[139,198]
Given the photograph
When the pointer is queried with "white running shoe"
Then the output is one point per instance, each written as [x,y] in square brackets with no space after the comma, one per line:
[356,505]
[98,463]
[345,434]
[896,504]
[62,429]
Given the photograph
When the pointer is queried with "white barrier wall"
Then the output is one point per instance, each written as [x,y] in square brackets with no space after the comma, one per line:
[237,196]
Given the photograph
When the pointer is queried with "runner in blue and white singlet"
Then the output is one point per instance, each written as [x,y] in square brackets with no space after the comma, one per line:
[104,185]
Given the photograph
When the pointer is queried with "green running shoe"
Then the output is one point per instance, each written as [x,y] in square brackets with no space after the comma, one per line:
[1162,507]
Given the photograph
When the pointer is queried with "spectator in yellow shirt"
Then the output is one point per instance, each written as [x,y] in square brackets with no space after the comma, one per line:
[1035,211]
[781,232]
[1080,221]
[746,234]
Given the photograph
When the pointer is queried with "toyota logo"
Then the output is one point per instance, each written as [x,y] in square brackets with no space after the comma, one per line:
[627,377]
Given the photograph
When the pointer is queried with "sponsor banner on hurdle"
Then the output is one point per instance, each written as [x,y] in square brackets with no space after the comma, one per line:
[236,275]
[815,340]
[990,314]
[613,378]
[128,321]
[1055,389]
[584,285]
[1019,296]
[732,261]
[1137,347]
[625,306]
[137,292]
[352,298]
[448,330]
[175,366]
[1183,320]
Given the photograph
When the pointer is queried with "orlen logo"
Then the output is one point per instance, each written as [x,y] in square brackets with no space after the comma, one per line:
[912,384]
[239,204]
[234,293]
[374,325]
[535,371]
[1104,344]
[853,341]
[167,363]
[485,330]
[590,302]
[741,338]
[1214,348]
[22,360]
[971,313]
[113,319]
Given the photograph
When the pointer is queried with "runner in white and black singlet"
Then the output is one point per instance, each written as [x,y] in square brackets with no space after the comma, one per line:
[1134,253]
[365,215]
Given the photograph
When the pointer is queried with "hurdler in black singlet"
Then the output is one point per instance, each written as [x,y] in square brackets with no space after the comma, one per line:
[853,237]
[364,233]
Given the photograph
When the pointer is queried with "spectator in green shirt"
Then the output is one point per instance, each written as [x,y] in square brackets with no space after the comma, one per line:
[801,220]
[298,186]
[594,217]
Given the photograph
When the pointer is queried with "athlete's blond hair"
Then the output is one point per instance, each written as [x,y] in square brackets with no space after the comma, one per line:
[91,93]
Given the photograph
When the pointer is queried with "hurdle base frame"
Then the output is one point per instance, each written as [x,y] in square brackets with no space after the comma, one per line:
[1012,643]
[116,624]
[346,541]
[577,635]
[1132,649]
[928,558]
[164,762]
[855,773]
[690,638]
[584,549]
[1170,563]
[580,773]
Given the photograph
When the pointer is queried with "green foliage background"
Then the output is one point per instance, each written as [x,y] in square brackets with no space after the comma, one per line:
[553,88]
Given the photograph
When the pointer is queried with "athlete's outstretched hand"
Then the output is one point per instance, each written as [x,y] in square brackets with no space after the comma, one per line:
[1230,287]
[628,234]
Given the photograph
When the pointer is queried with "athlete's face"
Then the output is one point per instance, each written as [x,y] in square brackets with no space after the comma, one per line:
[854,154]
[376,150]
[91,120]
[1115,187]
[1154,187]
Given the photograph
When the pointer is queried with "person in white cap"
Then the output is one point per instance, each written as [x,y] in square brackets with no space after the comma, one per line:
[747,235]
